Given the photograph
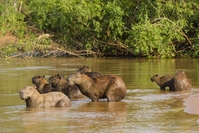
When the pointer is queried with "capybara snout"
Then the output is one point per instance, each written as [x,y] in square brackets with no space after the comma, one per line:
[25,92]
[21,95]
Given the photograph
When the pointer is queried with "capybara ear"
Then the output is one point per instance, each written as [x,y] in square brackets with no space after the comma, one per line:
[44,76]
[157,75]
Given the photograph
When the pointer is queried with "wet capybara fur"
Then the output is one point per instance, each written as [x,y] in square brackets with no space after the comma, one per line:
[162,81]
[86,70]
[41,84]
[52,99]
[105,86]
[72,91]
[180,82]
[58,83]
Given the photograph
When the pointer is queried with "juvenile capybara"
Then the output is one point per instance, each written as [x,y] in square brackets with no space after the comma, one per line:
[41,84]
[180,82]
[34,99]
[162,81]
[105,86]
[86,70]
[58,83]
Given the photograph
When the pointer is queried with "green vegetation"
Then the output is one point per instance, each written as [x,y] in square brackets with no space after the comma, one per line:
[139,28]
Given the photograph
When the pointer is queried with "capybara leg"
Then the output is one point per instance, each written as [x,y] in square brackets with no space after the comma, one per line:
[115,95]
[113,98]
[94,99]
[162,88]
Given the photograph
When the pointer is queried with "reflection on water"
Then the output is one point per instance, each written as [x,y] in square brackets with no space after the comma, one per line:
[145,109]
[192,104]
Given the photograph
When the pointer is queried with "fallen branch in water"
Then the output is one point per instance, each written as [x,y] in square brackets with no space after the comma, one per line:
[52,53]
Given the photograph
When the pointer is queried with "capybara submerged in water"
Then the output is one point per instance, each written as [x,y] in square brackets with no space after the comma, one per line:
[58,82]
[34,99]
[162,81]
[41,84]
[105,86]
[180,82]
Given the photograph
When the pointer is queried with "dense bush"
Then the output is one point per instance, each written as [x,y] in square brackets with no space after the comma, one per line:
[148,28]
[11,18]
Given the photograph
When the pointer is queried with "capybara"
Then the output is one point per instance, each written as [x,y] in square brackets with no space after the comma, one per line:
[34,99]
[162,81]
[86,70]
[58,83]
[41,84]
[73,91]
[105,86]
[180,82]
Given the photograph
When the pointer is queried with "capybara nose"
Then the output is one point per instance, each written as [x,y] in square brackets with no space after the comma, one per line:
[20,92]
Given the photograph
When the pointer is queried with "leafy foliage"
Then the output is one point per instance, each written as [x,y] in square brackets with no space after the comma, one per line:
[11,19]
[163,29]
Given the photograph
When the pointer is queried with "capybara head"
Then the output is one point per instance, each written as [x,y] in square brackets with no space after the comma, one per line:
[154,77]
[84,69]
[69,76]
[37,79]
[180,72]
[54,80]
[180,75]
[26,92]
[75,78]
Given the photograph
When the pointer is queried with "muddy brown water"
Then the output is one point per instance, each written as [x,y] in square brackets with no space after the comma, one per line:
[145,109]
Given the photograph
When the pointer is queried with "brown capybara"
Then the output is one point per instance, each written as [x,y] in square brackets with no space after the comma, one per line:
[105,86]
[58,83]
[180,82]
[162,81]
[86,70]
[34,99]
[41,84]
[73,91]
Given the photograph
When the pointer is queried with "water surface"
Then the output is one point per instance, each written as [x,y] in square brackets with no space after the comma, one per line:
[145,109]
